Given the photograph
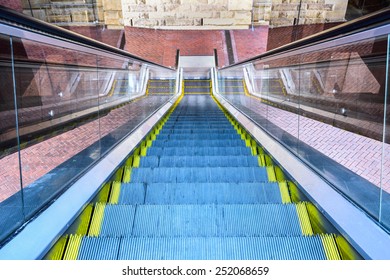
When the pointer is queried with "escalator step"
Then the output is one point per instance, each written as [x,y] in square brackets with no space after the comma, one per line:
[199,175]
[192,136]
[101,248]
[199,151]
[217,248]
[199,161]
[117,220]
[216,220]
[199,143]
[198,130]
[208,193]
[132,193]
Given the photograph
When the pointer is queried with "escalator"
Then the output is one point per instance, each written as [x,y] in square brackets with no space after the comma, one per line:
[197,187]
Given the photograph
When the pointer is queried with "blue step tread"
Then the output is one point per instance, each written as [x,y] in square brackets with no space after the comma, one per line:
[199,193]
[198,248]
[199,151]
[216,220]
[199,131]
[208,193]
[199,143]
[199,175]
[199,161]
[200,220]
[211,136]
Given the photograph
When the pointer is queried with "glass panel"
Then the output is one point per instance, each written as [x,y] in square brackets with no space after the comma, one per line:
[11,200]
[327,105]
[53,86]
[342,94]
[385,174]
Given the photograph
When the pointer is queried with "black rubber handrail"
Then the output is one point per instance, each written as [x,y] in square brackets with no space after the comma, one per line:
[22,21]
[366,22]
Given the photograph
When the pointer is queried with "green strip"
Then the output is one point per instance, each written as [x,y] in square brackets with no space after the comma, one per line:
[271,174]
[72,250]
[97,219]
[330,247]
[304,219]
[284,193]
[115,191]
[57,251]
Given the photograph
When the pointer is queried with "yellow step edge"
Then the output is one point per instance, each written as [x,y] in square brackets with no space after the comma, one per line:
[58,250]
[136,161]
[127,175]
[254,150]
[271,174]
[284,193]
[130,160]
[279,174]
[261,159]
[97,219]
[119,174]
[72,249]
[330,247]
[83,220]
[115,191]
[304,219]
[143,151]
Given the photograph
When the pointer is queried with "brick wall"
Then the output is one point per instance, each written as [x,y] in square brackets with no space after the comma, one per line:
[279,36]
[12,4]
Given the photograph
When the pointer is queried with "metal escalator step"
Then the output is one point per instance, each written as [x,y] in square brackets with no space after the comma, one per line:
[200,131]
[199,175]
[118,220]
[199,161]
[132,193]
[199,143]
[217,248]
[199,151]
[99,248]
[212,193]
[192,136]
[184,124]
[216,220]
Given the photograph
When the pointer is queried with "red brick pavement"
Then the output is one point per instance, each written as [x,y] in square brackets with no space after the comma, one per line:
[360,154]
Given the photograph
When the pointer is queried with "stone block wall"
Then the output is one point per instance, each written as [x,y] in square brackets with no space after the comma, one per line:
[187,14]
[286,12]
[76,12]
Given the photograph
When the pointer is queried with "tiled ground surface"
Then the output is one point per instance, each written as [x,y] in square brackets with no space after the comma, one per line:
[360,154]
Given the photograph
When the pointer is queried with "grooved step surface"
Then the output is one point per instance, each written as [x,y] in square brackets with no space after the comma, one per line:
[199,143]
[199,161]
[200,248]
[201,193]
[216,220]
[199,175]
[199,151]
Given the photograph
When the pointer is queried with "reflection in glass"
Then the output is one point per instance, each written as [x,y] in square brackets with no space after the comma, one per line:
[326,104]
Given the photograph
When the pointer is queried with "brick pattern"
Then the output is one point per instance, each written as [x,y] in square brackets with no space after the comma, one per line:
[360,154]
[279,36]
[160,45]
[111,37]
[12,4]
